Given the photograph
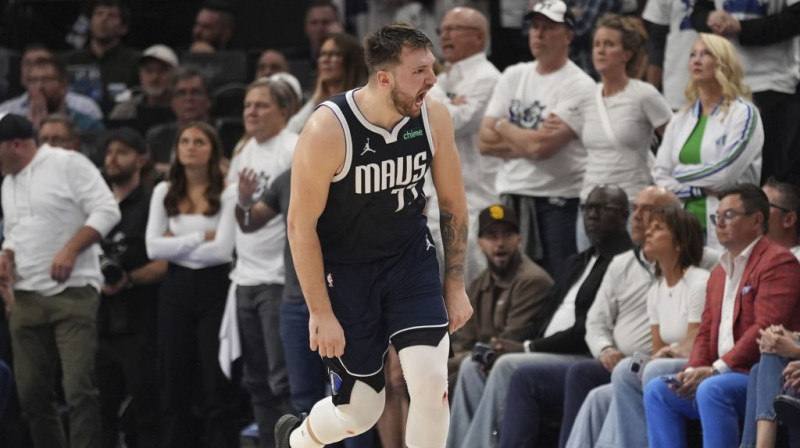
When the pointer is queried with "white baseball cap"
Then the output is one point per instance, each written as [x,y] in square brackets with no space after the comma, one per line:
[160,53]
[555,10]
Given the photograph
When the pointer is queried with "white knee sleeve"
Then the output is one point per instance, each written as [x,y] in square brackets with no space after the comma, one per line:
[331,423]
[425,370]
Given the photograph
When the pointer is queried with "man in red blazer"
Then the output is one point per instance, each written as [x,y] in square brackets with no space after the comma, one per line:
[755,285]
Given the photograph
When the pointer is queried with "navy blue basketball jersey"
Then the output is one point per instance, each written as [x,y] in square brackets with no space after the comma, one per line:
[375,204]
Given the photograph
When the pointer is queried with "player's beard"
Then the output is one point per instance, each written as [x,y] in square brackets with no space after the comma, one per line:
[404,104]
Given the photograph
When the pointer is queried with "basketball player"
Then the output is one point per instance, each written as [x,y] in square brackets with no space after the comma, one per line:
[362,249]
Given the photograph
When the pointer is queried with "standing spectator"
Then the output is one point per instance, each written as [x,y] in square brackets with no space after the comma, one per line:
[542,169]
[468,83]
[271,62]
[191,102]
[55,276]
[618,125]
[671,33]
[47,94]
[771,62]
[587,13]
[191,225]
[31,56]
[156,67]
[60,131]
[126,357]
[507,295]
[259,274]
[754,286]
[717,141]
[213,26]
[322,17]
[340,67]
[784,207]
[108,25]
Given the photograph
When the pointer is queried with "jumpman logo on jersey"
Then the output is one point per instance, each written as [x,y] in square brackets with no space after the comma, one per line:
[428,243]
[367,148]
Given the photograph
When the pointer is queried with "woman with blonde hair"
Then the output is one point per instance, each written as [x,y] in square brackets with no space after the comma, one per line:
[716,141]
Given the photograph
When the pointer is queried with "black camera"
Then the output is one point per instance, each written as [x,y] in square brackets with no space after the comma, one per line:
[114,250]
[483,354]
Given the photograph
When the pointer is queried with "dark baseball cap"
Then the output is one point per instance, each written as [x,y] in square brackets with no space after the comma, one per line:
[497,213]
[127,136]
[15,127]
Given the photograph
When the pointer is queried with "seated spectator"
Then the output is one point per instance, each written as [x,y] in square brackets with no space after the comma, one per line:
[213,26]
[59,130]
[340,67]
[19,105]
[192,225]
[616,327]
[191,101]
[47,94]
[507,295]
[778,346]
[754,286]
[618,124]
[271,62]
[717,141]
[322,20]
[109,23]
[674,243]
[784,207]
[156,67]
[558,329]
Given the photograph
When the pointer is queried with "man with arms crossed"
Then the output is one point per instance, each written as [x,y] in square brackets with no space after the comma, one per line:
[364,255]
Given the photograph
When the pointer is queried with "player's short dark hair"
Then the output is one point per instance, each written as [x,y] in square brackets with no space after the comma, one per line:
[753,198]
[124,12]
[383,47]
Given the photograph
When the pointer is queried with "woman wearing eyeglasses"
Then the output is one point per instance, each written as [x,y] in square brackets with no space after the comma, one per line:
[716,141]
[340,67]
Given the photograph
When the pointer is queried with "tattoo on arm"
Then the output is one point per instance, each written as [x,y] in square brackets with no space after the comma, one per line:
[454,239]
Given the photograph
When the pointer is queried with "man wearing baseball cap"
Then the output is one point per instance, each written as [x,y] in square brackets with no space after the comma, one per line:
[506,296]
[531,123]
[156,66]
[56,208]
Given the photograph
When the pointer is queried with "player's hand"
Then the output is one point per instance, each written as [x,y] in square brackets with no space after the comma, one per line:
[62,265]
[459,310]
[326,334]
[248,182]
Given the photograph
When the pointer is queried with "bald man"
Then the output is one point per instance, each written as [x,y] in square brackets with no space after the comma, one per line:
[465,88]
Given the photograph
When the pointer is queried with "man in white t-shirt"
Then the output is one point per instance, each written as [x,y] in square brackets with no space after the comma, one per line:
[465,89]
[771,63]
[543,166]
[784,207]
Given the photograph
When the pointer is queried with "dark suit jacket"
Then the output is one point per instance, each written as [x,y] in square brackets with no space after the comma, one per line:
[768,294]
[572,340]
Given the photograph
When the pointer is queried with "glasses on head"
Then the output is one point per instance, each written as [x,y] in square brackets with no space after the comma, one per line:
[454,29]
[726,216]
[601,208]
[330,54]
[781,208]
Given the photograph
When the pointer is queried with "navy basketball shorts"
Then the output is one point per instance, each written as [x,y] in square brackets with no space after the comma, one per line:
[398,300]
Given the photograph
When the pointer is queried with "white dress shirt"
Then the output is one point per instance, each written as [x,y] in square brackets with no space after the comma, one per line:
[734,270]
[44,205]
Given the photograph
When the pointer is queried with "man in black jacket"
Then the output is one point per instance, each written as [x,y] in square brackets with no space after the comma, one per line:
[558,329]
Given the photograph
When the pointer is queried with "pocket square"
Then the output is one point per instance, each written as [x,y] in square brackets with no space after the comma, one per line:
[746,289]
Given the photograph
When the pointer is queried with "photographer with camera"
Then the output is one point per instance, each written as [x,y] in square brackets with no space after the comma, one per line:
[505,296]
[126,359]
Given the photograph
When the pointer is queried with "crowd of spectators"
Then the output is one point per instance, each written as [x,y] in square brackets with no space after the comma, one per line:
[633,196]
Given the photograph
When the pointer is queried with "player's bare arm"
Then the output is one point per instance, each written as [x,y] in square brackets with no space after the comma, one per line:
[446,171]
[535,144]
[318,156]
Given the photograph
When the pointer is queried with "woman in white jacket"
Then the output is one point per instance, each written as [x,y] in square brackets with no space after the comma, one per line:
[716,141]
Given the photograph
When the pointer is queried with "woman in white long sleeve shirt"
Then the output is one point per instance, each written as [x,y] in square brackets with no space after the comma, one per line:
[192,225]
[716,142]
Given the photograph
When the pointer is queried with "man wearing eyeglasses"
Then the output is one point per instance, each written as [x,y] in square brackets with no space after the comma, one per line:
[466,87]
[784,206]
[754,286]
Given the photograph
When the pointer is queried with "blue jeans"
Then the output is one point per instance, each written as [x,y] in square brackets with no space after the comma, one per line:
[766,383]
[307,373]
[719,404]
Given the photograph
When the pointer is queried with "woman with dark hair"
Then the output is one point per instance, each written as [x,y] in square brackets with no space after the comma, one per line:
[191,225]
[340,67]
